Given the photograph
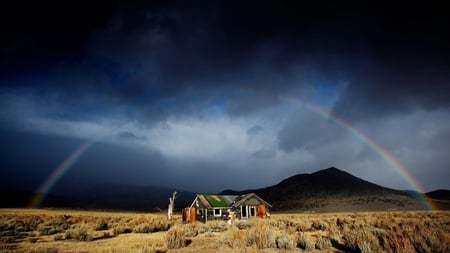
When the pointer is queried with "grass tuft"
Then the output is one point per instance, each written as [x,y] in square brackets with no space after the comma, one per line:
[286,241]
[175,238]
[304,242]
[44,250]
[323,242]
[261,235]
[80,232]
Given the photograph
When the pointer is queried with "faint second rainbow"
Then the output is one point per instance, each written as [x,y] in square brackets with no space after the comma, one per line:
[397,166]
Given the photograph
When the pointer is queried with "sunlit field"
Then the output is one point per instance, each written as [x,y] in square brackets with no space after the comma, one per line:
[25,230]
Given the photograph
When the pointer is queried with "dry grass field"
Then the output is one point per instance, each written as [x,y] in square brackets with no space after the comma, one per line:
[32,231]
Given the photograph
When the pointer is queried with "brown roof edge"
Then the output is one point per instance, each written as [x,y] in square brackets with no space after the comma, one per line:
[249,195]
[193,202]
[203,200]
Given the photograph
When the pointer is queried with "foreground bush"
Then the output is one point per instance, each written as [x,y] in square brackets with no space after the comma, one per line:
[303,242]
[361,241]
[235,238]
[142,224]
[79,232]
[261,235]
[175,238]
[286,241]
[49,229]
[194,229]
[217,225]
[122,229]
[323,242]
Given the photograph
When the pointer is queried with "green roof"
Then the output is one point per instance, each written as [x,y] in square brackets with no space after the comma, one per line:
[217,200]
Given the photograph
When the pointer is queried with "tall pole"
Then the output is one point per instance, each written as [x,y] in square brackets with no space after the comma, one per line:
[171,204]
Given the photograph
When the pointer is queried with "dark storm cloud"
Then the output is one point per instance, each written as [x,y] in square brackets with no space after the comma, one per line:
[407,66]
[264,154]
[308,130]
[156,61]
[254,130]
[151,53]
[130,135]
[384,89]
[25,157]
[29,159]
[393,58]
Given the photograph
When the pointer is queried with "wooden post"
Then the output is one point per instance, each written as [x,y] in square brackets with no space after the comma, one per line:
[171,204]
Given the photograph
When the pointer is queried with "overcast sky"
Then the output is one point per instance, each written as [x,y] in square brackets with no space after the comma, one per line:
[209,95]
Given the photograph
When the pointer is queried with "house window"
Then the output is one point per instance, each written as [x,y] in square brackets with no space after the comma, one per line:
[252,211]
[217,212]
[200,211]
[243,212]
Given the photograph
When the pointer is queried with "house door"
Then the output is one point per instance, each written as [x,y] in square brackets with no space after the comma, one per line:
[252,211]
[243,212]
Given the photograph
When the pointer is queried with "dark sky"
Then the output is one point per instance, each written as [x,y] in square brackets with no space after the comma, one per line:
[208,95]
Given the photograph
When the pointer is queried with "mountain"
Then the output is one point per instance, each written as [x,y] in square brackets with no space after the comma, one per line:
[440,199]
[333,190]
[325,190]
[439,194]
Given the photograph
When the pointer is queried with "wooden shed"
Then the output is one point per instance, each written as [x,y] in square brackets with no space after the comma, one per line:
[212,206]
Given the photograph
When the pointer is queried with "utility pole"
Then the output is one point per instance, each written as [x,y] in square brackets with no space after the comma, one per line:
[171,204]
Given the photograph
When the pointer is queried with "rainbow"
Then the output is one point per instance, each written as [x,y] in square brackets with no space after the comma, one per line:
[45,188]
[399,168]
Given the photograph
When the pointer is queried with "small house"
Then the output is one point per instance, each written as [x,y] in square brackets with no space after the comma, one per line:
[207,207]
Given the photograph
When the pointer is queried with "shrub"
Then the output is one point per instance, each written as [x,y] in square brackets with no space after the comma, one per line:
[209,234]
[149,226]
[144,228]
[152,249]
[122,229]
[162,225]
[361,241]
[58,237]
[340,222]
[190,230]
[351,241]
[419,243]
[261,235]
[335,236]
[79,232]
[302,226]
[56,225]
[392,242]
[237,238]
[44,250]
[217,225]
[285,241]
[175,238]
[101,225]
[8,239]
[49,229]
[319,225]
[31,224]
[33,239]
[323,242]
[7,249]
[242,224]
[305,243]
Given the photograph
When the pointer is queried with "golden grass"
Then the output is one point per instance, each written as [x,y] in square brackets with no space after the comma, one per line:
[27,231]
